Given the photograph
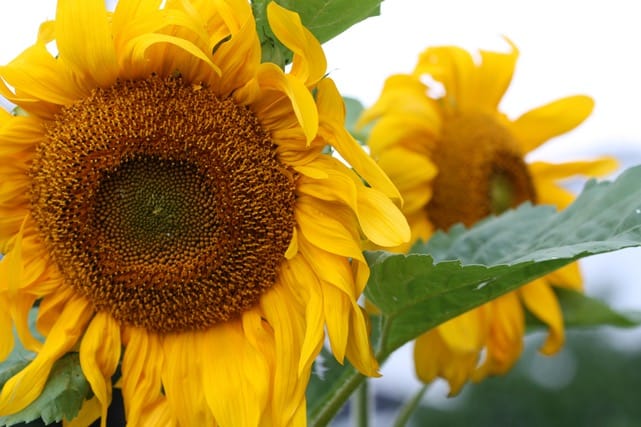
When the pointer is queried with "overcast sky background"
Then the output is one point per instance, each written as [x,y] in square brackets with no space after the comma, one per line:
[567,47]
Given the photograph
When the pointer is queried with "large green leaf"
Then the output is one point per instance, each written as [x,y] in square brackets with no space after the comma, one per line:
[324,18]
[62,397]
[457,271]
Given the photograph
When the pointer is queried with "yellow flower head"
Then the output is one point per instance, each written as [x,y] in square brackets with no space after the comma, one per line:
[456,158]
[168,194]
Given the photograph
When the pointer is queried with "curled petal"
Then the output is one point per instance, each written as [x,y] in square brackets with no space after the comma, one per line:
[99,357]
[309,62]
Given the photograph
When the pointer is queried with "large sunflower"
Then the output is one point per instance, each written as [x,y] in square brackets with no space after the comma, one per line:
[169,195]
[456,158]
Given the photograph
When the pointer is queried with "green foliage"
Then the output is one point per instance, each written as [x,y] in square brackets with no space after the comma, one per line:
[456,271]
[580,311]
[62,397]
[324,18]
[328,378]
[589,384]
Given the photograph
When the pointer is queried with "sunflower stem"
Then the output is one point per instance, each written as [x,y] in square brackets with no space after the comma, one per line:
[352,379]
[338,399]
[361,401]
[408,409]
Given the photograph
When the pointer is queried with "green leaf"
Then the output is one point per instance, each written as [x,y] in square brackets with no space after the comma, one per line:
[324,18]
[328,18]
[62,397]
[466,268]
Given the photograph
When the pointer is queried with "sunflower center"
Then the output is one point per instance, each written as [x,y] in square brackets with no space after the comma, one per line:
[163,204]
[481,172]
[154,206]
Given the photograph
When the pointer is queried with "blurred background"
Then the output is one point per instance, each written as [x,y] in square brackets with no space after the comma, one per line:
[569,47]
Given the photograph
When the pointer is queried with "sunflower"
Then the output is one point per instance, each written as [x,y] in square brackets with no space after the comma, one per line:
[456,158]
[169,197]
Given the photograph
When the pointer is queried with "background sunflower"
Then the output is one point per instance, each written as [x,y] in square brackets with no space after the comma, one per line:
[457,159]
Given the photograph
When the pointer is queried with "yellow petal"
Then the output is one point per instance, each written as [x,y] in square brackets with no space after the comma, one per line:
[325,231]
[272,78]
[99,357]
[466,332]
[286,318]
[541,301]
[404,95]
[236,383]
[539,125]
[141,370]
[138,48]
[426,356]
[239,57]
[382,222]
[51,306]
[309,62]
[184,364]
[566,277]
[359,350]
[550,193]
[455,69]
[39,78]
[6,329]
[85,41]
[336,304]
[24,387]
[412,173]
[412,132]
[292,249]
[301,279]
[433,358]
[588,168]
[15,274]
[47,32]
[331,268]
[494,76]
[505,342]
[129,11]
[328,98]
[158,413]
